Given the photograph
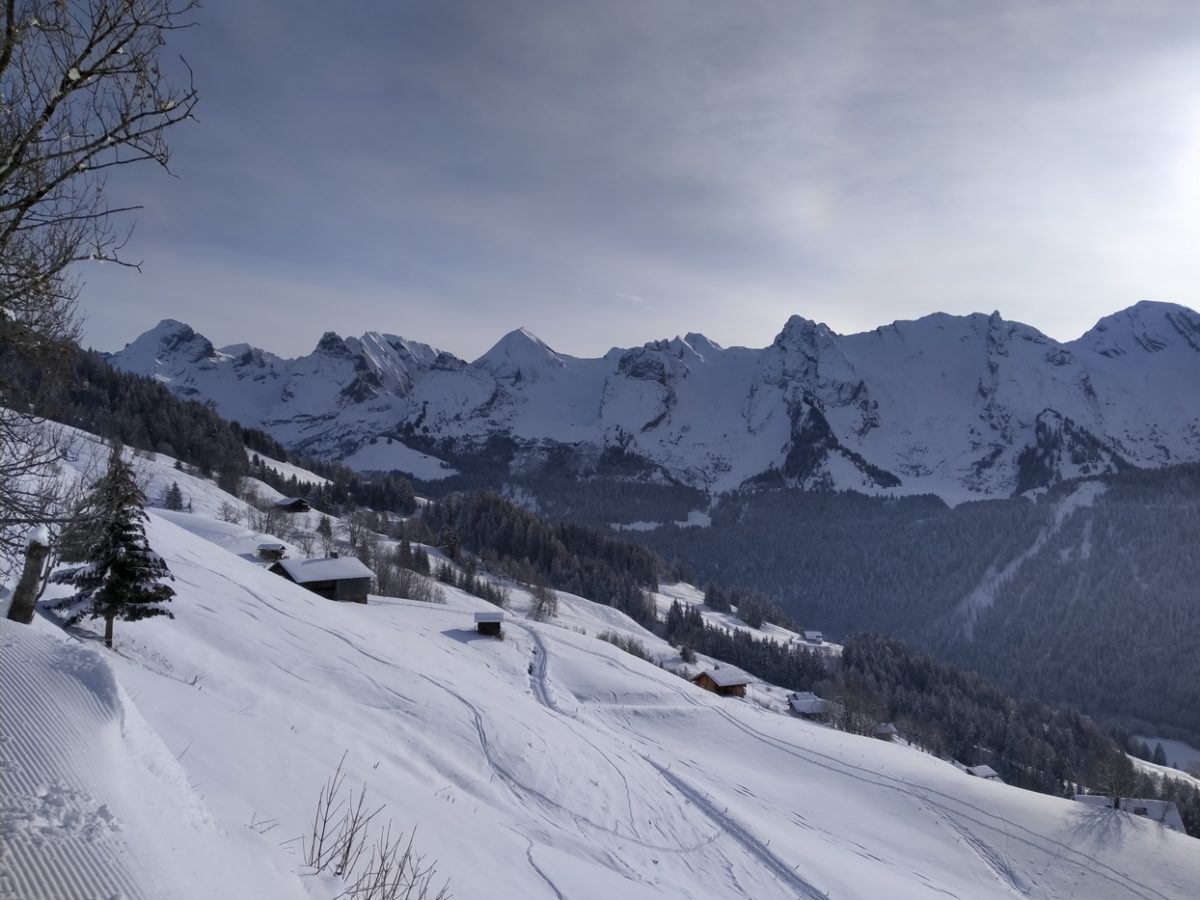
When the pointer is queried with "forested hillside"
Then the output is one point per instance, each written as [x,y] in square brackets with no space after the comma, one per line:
[1093,605]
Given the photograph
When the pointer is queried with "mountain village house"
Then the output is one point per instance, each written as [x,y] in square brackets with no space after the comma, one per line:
[334,577]
[808,705]
[271,550]
[293,505]
[725,682]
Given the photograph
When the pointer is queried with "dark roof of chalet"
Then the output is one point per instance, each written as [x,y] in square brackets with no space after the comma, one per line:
[725,677]
[291,501]
[335,568]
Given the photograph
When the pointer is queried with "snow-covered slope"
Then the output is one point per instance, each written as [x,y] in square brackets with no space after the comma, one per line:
[549,764]
[957,405]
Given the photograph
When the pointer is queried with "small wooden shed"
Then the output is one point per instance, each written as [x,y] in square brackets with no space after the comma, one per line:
[987,773]
[333,577]
[722,681]
[293,505]
[489,622]
[271,550]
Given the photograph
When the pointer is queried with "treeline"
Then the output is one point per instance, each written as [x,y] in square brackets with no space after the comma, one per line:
[793,667]
[1101,615]
[957,714]
[573,558]
[344,488]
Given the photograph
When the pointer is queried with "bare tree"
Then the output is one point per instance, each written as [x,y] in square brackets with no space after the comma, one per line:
[545,602]
[82,90]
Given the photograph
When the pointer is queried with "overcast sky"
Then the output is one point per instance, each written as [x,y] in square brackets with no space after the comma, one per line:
[612,172]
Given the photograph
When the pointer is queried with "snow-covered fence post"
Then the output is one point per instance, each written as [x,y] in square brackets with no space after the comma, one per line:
[25,596]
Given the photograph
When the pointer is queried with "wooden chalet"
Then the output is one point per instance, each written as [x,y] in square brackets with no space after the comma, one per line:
[987,773]
[814,637]
[271,550]
[885,732]
[490,622]
[809,706]
[722,681]
[341,578]
[293,505]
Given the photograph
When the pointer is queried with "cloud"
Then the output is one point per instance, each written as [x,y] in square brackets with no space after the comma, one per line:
[447,170]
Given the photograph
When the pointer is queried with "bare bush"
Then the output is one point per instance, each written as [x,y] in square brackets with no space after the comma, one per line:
[382,867]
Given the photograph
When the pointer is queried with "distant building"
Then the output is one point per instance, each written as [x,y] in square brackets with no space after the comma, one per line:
[293,505]
[271,551]
[489,622]
[1165,812]
[814,637]
[335,578]
[987,773]
[809,705]
[885,732]
[723,682]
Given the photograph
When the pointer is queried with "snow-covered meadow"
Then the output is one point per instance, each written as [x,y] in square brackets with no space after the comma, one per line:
[547,764]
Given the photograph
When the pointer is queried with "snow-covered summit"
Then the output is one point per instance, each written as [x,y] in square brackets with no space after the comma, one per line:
[943,404]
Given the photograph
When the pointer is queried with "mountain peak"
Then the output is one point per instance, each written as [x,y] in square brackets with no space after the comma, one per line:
[519,354]
[1146,327]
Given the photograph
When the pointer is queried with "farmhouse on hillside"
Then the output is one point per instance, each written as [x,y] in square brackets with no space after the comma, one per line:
[885,732]
[333,577]
[987,773]
[293,505]
[814,637]
[809,706]
[1165,812]
[271,550]
[722,681]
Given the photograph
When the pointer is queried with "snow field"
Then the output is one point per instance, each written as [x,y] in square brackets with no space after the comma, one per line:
[548,764]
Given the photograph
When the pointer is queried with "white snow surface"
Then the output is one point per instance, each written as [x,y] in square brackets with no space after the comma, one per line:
[382,456]
[946,404]
[288,470]
[549,764]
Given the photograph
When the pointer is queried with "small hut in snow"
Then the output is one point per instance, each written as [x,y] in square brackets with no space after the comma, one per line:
[293,505]
[271,550]
[885,732]
[809,705]
[489,622]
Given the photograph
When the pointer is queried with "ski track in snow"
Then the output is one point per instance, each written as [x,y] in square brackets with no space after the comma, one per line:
[748,842]
[59,839]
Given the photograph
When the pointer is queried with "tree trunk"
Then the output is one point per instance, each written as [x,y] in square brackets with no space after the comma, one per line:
[108,628]
[24,599]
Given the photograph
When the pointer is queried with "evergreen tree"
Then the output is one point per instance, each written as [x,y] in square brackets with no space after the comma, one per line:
[122,576]
[1160,755]
[325,532]
[173,497]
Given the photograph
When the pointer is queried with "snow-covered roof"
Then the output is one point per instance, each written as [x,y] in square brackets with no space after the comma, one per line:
[984,772]
[271,545]
[808,703]
[725,677]
[336,568]
[497,616]
[885,728]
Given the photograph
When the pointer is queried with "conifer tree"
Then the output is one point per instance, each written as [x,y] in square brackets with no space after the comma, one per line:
[173,497]
[121,577]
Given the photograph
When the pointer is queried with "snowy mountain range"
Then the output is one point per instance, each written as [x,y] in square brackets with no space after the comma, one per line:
[959,406]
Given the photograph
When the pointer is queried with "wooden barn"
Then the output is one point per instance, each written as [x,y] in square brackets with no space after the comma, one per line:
[809,706]
[271,550]
[293,505]
[722,681]
[490,622]
[334,577]
[885,732]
